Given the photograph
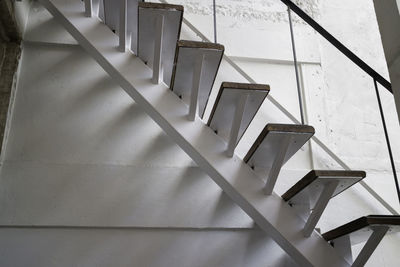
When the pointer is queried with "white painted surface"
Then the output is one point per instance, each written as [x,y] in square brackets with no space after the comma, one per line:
[263,23]
[162,247]
[50,139]
[80,163]
[205,148]
[114,195]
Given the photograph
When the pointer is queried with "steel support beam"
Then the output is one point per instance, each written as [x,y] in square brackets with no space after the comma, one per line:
[277,166]
[237,121]
[196,80]
[158,46]
[319,208]
[372,242]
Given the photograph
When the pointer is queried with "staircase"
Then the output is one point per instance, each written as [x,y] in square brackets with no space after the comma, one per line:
[171,80]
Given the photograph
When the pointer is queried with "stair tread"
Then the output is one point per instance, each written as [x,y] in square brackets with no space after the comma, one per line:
[246,86]
[223,111]
[147,17]
[279,128]
[111,18]
[197,44]
[160,6]
[313,175]
[360,223]
[184,64]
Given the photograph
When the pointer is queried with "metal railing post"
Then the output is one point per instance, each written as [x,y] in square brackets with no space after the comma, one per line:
[295,66]
[215,21]
[396,181]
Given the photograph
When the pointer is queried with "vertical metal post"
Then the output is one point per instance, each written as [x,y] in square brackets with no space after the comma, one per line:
[196,80]
[305,110]
[343,246]
[295,66]
[372,242]
[122,25]
[319,208]
[237,121]
[157,61]
[215,21]
[88,8]
[277,165]
[396,181]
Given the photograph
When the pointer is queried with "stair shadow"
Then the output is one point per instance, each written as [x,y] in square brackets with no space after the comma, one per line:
[57,68]
[226,210]
[91,95]
[158,148]
[258,242]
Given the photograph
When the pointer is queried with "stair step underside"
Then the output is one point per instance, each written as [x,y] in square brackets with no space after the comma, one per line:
[236,179]
[223,112]
[188,53]
[311,195]
[111,9]
[149,14]
[314,181]
[269,141]
[361,228]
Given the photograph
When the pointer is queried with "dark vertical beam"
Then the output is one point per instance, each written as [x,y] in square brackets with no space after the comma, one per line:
[10,51]
[392,164]
[8,24]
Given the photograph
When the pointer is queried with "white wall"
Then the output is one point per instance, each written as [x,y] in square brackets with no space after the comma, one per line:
[357,138]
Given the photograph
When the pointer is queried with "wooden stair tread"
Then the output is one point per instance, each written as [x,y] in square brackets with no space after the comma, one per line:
[147,17]
[223,111]
[358,224]
[197,44]
[241,86]
[161,6]
[111,18]
[183,67]
[245,86]
[315,174]
[278,128]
